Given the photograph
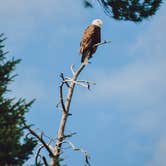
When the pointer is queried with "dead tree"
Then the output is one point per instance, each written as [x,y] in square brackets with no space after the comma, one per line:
[65,105]
[54,146]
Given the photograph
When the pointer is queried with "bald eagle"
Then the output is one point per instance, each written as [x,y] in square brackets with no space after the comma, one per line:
[91,36]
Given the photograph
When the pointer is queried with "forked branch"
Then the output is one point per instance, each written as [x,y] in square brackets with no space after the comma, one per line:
[41,140]
[85,153]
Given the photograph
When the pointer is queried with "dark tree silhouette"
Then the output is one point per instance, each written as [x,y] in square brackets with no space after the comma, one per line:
[15,148]
[131,10]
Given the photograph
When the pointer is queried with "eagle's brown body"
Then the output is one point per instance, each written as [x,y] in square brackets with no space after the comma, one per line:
[91,36]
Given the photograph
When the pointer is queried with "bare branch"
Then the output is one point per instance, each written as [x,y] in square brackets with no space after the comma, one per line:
[90,82]
[50,139]
[40,139]
[45,161]
[63,79]
[69,135]
[86,84]
[103,42]
[72,68]
[86,155]
[61,97]
[83,83]
[38,154]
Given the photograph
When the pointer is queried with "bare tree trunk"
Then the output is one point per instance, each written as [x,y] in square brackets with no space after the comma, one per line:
[65,113]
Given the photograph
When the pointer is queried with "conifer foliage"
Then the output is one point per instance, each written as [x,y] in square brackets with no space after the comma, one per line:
[128,10]
[15,147]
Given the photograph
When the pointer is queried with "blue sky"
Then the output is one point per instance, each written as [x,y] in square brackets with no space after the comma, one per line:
[121,121]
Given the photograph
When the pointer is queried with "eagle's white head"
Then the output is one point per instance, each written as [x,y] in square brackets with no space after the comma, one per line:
[97,22]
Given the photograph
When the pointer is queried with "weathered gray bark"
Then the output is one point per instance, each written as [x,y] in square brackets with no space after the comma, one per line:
[65,113]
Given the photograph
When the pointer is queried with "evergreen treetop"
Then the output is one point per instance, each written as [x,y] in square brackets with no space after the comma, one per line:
[15,147]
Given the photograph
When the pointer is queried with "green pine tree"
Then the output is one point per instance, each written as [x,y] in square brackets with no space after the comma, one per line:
[15,147]
[128,10]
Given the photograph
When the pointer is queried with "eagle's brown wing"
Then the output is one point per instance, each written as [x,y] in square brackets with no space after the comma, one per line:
[91,36]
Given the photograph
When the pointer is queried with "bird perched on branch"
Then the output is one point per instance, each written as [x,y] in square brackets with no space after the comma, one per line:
[91,37]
